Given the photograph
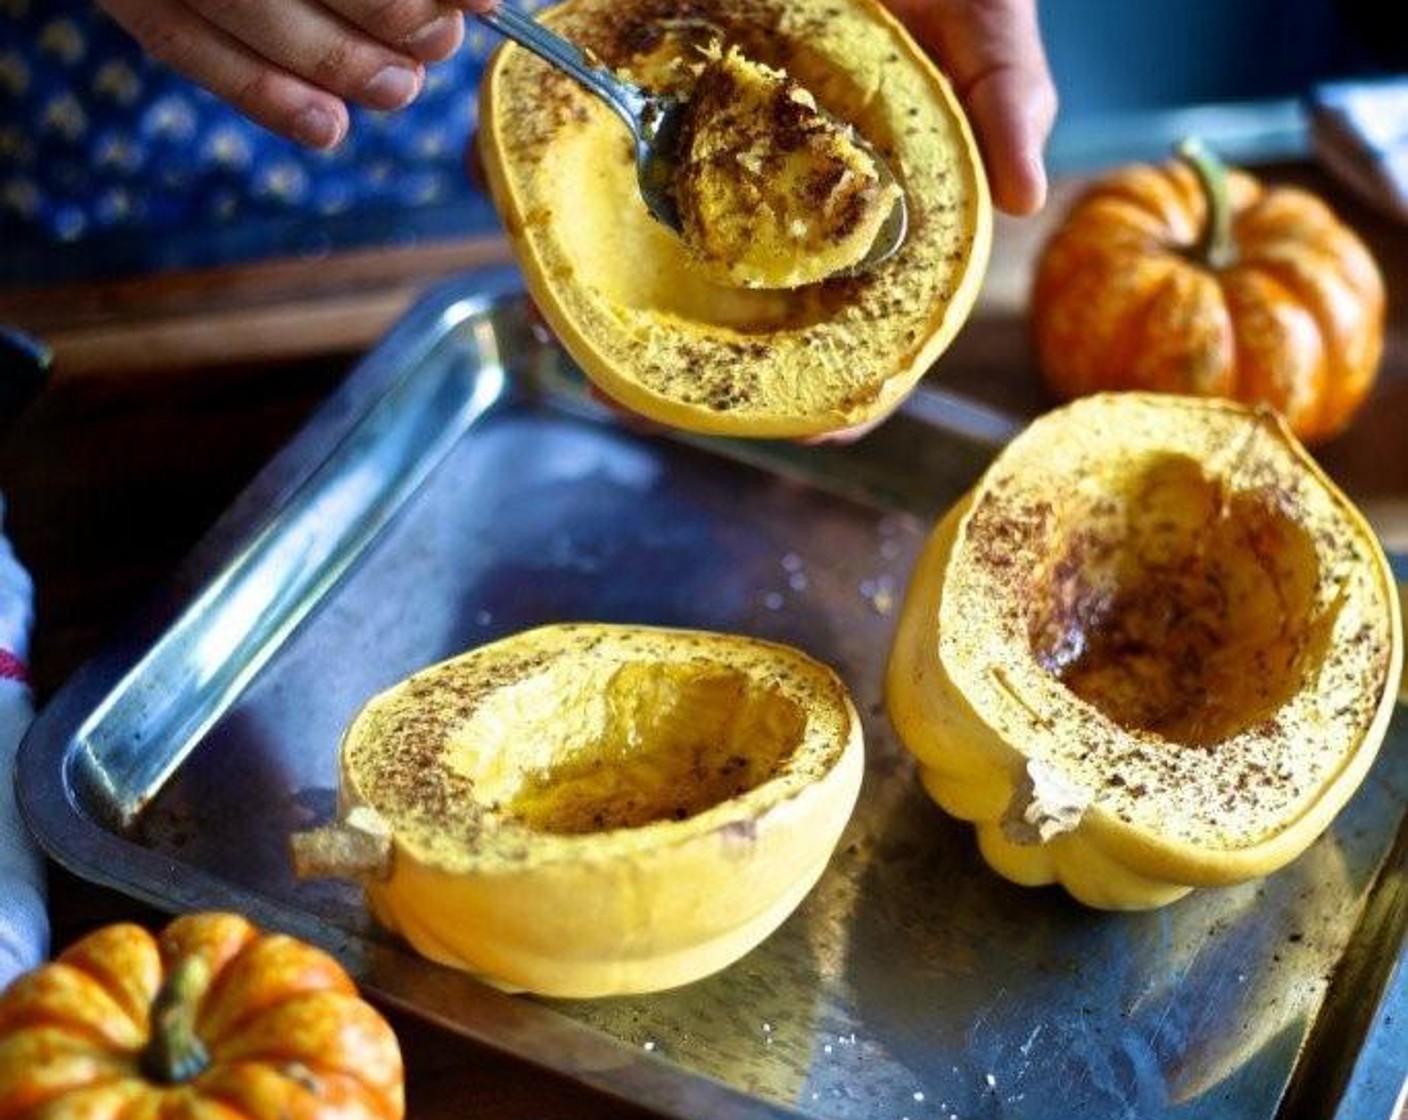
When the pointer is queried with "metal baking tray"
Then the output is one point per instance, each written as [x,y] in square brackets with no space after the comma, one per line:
[461,486]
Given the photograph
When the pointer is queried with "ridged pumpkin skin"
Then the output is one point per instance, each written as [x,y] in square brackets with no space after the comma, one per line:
[1289,314]
[586,810]
[1153,649]
[647,326]
[283,1029]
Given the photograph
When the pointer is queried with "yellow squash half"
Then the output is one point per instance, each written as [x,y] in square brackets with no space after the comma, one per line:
[1155,648]
[621,292]
[586,810]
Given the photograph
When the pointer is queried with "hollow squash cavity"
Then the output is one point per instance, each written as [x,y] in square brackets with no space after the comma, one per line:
[650,742]
[1184,609]
[1150,650]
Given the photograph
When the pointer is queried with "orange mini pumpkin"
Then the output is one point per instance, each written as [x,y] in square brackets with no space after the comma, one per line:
[211,1021]
[1190,278]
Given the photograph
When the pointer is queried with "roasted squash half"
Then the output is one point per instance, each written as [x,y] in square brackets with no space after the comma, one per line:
[586,810]
[1155,648]
[642,319]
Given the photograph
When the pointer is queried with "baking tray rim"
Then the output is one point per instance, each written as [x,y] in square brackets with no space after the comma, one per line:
[524,1028]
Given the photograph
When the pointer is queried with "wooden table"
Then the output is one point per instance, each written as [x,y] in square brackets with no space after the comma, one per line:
[169,393]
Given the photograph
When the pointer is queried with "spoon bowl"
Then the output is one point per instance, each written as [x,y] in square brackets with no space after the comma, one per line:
[655,119]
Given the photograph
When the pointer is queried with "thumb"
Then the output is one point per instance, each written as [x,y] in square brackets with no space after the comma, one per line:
[992,52]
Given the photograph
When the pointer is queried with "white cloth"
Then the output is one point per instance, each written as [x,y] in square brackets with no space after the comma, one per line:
[1360,132]
[24,927]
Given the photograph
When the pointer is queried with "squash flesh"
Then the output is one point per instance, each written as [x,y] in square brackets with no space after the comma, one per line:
[620,746]
[772,193]
[1184,610]
[1275,721]
[622,293]
[588,810]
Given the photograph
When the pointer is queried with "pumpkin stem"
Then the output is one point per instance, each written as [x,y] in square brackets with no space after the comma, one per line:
[1215,247]
[175,1053]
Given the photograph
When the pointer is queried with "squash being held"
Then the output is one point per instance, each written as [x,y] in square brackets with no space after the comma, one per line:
[1190,278]
[211,1019]
[647,318]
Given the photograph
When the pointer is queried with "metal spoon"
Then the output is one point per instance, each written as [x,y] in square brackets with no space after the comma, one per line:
[654,121]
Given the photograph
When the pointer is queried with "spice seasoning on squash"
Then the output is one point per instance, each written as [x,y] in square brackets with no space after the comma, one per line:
[772,192]
[623,293]
[1194,278]
[1151,650]
[1154,621]
[587,809]
[210,1017]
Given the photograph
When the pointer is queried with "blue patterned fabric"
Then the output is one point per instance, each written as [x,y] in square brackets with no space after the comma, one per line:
[99,143]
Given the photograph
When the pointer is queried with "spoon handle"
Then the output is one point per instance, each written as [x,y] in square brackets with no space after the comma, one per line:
[628,100]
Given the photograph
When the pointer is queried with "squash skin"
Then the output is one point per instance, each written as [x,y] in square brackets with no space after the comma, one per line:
[972,770]
[718,360]
[284,1028]
[630,909]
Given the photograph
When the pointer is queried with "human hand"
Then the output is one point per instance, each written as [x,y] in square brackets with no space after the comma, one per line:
[292,65]
[992,52]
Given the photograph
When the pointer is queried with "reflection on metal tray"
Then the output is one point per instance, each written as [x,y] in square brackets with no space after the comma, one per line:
[460,487]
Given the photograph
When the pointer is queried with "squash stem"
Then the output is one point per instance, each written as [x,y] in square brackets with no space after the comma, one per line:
[1215,247]
[175,1053]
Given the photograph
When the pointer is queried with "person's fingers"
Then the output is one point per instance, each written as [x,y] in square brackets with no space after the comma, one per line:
[308,40]
[1014,111]
[429,30]
[438,40]
[474,164]
[992,52]
[628,418]
[847,435]
[270,96]
[391,21]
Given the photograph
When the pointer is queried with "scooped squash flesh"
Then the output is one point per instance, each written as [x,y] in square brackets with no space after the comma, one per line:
[772,193]
[1155,648]
[585,810]
[623,294]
